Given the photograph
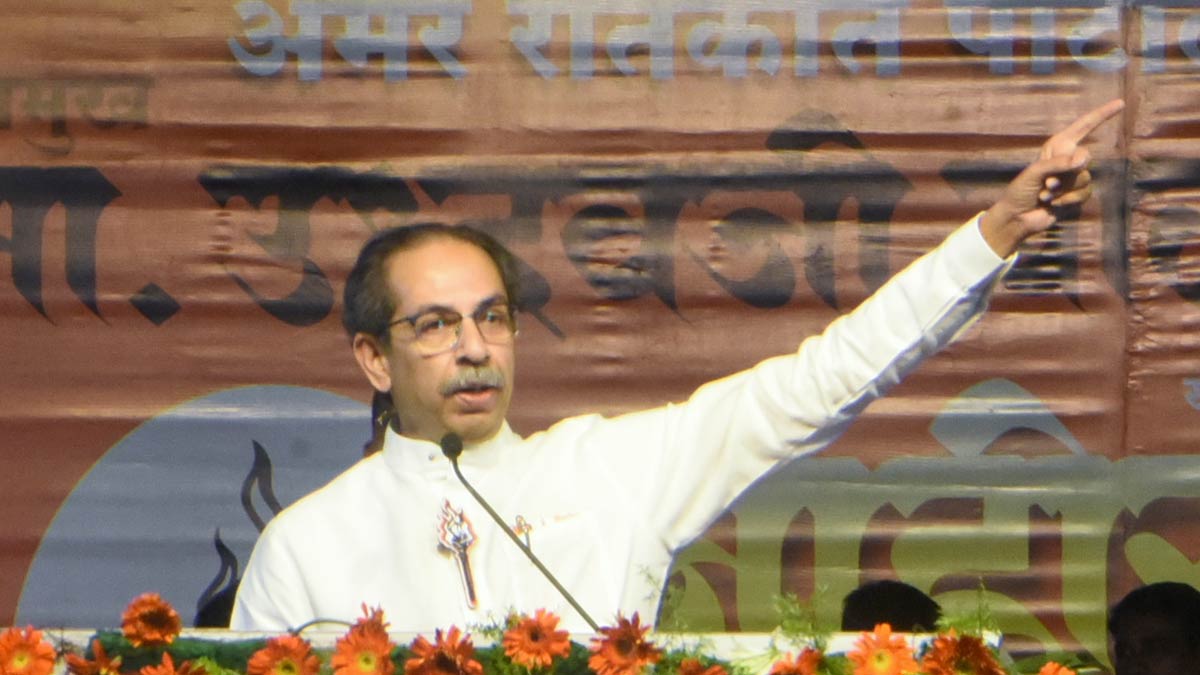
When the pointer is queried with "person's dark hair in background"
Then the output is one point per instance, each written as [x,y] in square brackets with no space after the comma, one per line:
[1155,630]
[903,607]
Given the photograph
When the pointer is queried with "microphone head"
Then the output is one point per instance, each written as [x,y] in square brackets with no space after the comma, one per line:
[452,445]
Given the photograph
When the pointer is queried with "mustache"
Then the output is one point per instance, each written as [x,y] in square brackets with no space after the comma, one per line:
[473,379]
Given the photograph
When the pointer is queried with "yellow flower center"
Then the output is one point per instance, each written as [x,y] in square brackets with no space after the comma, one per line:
[366,662]
[286,667]
[881,661]
[20,661]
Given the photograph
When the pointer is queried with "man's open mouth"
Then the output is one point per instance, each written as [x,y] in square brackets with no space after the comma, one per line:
[473,388]
[473,382]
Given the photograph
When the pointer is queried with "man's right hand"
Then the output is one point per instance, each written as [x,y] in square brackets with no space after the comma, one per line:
[1059,178]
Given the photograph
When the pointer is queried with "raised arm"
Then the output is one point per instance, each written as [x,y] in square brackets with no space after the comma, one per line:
[1059,178]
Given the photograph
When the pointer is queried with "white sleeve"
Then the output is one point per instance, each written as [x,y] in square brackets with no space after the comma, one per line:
[271,595]
[688,461]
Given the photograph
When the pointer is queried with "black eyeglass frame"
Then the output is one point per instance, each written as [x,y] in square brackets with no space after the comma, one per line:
[458,321]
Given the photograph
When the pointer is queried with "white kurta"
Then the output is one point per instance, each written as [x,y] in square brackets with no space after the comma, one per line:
[607,500]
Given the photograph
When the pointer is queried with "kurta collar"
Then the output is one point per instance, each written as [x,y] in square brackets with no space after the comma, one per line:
[405,455]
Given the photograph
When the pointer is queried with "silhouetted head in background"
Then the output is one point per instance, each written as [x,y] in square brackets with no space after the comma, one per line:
[1155,630]
[903,607]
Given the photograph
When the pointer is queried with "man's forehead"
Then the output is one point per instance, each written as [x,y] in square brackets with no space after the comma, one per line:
[443,271]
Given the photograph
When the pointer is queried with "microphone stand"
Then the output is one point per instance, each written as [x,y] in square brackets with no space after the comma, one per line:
[449,450]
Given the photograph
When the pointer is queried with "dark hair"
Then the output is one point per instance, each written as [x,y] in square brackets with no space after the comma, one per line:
[1178,602]
[903,607]
[367,303]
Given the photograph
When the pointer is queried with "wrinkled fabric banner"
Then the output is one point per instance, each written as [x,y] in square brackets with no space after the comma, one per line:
[690,185]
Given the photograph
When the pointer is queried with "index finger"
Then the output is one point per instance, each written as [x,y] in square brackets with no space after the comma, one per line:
[1089,121]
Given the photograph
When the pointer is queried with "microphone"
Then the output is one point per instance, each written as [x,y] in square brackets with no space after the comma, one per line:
[452,447]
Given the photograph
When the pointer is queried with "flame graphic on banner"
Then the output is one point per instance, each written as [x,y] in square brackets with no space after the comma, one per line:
[215,604]
[260,477]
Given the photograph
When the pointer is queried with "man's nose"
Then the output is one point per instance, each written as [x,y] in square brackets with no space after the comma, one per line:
[472,348]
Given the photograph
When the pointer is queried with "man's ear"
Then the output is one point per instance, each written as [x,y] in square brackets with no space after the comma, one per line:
[373,360]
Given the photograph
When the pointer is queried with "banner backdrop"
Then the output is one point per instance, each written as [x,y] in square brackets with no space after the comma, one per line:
[690,185]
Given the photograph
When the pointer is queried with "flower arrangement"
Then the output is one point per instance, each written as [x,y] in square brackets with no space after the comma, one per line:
[149,643]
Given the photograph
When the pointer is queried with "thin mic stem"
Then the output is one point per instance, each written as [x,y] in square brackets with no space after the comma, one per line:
[314,622]
[524,549]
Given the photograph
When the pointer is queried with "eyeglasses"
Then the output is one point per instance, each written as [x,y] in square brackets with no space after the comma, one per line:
[440,330]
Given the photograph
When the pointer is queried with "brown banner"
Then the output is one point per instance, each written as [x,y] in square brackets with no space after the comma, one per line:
[691,186]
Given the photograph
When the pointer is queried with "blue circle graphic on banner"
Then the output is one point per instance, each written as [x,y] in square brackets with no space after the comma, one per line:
[175,506]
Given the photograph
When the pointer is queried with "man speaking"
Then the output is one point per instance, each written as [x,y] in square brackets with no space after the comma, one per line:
[603,503]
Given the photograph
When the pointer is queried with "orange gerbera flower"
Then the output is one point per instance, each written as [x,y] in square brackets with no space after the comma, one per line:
[806,663]
[451,654]
[691,666]
[881,653]
[365,649]
[372,621]
[1054,668]
[953,655]
[167,667]
[150,621]
[24,652]
[99,664]
[534,641]
[623,649]
[284,655]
